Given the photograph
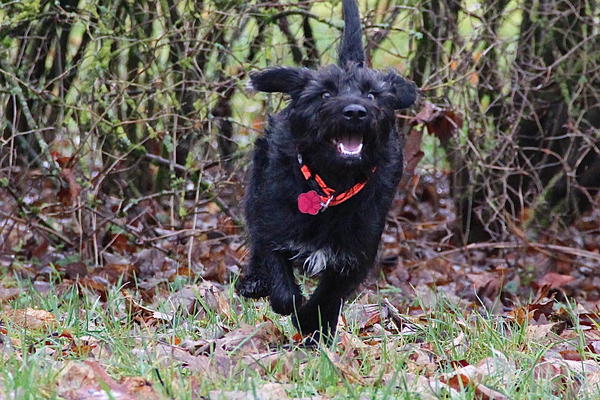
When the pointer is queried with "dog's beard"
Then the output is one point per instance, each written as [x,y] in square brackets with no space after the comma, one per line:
[332,143]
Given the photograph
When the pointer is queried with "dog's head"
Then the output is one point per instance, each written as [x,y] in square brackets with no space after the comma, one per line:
[344,113]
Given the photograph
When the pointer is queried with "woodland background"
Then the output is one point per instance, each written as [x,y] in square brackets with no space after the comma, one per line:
[125,131]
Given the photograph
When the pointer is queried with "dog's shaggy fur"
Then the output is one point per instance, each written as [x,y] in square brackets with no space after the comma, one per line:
[341,124]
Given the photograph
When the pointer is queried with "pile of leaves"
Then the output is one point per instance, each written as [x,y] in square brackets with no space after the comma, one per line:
[158,316]
[124,298]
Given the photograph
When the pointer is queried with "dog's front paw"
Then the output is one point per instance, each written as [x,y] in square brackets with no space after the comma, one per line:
[252,287]
[286,302]
[305,322]
[314,324]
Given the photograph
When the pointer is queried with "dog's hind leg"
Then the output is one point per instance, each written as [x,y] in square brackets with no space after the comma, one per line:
[320,314]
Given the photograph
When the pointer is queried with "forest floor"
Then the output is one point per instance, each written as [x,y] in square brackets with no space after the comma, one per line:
[506,320]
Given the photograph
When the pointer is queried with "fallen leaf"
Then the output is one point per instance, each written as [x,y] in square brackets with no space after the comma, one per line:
[553,280]
[571,355]
[485,393]
[216,366]
[269,391]
[590,388]
[146,314]
[344,368]
[251,339]
[470,376]
[365,315]
[89,381]
[75,270]
[539,333]
[30,318]
[279,362]
[8,294]
[426,388]
[497,366]
[214,298]
[139,388]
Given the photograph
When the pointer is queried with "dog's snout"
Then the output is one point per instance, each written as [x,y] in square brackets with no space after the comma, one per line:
[354,112]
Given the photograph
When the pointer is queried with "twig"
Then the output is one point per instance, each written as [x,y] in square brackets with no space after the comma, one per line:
[508,245]
[41,226]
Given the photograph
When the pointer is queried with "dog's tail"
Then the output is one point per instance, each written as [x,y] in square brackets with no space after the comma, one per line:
[351,49]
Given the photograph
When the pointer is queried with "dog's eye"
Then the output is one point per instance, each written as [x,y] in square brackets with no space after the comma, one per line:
[325,95]
[371,96]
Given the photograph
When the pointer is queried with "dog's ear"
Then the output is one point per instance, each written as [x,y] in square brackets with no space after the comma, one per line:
[280,79]
[404,92]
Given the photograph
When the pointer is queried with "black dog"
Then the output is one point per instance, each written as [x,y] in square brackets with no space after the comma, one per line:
[323,179]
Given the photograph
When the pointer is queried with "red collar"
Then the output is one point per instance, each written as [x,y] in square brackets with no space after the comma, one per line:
[312,202]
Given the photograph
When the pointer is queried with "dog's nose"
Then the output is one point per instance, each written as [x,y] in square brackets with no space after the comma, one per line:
[354,112]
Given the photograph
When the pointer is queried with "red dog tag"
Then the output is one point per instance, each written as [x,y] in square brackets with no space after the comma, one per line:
[309,203]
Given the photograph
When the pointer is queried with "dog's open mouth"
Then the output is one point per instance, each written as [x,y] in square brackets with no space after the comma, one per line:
[349,145]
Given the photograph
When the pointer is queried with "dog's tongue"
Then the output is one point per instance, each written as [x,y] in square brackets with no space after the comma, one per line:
[350,144]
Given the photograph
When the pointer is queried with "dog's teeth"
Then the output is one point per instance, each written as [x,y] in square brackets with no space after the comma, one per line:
[355,151]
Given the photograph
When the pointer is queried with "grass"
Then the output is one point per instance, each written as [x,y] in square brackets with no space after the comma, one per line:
[373,363]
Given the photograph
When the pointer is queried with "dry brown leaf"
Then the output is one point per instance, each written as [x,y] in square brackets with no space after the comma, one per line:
[535,313]
[585,367]
[497,366]
[251,339]
[344,368]
[139,388]
[88,381]
[485,393]
[74,270]
[214,298]
[440,122]
[351,343]
[428,389]
[365,315]
[488,284]
[464,374]
[590,388]
[571,354]
[421,359]
[144,312]
[552,367]
[216,366]
[539,333]
[184,301]
[30,318]
[470,376]
[269,391]
[593,347]
[115,272]
[281,362]
[8,294]
[553,280]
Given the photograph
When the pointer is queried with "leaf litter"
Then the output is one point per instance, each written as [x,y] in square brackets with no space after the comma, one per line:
[169,288]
